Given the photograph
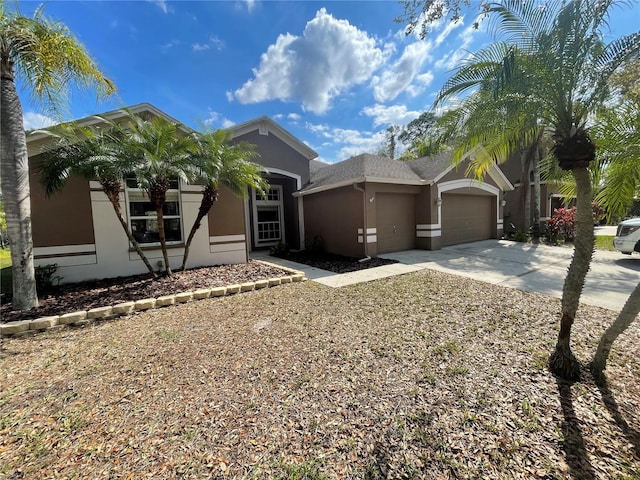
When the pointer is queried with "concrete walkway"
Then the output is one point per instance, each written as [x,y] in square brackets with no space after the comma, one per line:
[533,268]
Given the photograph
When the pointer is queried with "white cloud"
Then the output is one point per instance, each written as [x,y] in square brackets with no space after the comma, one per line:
[217,120]
[213,41]
[199,47]
[330,57]
[390,115]
[171,44]
[229,95]
[294,116]
[349,142]
[250,5]
[442,36]
[401,74]
[33,120]
[453,58]
[161,4]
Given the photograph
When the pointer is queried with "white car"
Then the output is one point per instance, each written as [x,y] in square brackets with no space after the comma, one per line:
[627,239]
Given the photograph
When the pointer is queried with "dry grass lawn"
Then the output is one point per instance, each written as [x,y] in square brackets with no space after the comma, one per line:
[424,375]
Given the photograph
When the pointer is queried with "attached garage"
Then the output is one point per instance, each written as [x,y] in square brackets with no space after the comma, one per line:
[396,222]
[466,218]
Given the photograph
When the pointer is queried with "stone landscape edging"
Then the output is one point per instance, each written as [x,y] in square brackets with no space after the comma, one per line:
[80,318]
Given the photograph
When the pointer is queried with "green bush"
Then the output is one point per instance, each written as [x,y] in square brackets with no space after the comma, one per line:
[46,278]
[280,248]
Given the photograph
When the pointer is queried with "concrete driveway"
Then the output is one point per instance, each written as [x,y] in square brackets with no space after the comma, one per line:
[533,268]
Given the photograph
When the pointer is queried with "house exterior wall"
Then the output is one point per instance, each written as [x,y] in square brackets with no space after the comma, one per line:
[78,230]
[226,230]
[276,154]
[337,217]
[286,167]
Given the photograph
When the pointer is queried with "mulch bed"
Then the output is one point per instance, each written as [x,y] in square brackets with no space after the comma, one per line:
[419,376]
[111,291]
[333,263]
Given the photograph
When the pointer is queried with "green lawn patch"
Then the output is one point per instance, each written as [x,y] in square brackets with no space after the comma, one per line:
[604,242]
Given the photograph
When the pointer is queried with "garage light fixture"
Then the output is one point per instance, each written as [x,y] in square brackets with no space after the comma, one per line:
[503,203]
[439,201]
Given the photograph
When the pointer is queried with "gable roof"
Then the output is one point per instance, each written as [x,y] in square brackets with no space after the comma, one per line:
[375,168]
[34,135]
[264,125]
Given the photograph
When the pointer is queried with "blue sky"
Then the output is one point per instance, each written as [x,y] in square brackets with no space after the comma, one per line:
[335,74]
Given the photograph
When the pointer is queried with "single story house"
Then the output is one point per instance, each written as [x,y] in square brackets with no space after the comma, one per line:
[363,206]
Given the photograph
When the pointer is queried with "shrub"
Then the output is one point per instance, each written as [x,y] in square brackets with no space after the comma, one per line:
[46,277]
[598,213]
[280,248]
[520,236]
[562,225]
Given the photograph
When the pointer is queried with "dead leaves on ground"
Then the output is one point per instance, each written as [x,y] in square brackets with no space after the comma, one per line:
[419,376]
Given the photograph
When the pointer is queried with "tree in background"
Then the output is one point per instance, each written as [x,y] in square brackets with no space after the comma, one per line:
[46,57]
[419,15]
[419,136]
[221,164]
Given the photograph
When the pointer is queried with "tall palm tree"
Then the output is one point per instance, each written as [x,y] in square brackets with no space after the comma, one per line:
[221,164]
[505,125]
[94,153]
[162,152]
[46,57]
[562,64]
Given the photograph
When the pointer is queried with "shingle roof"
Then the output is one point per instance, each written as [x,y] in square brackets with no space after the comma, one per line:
[369,166]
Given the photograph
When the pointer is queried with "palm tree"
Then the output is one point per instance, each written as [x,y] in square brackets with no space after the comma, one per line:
[94,153]
[223,165]
[618,135]
[561,63]
[505,125]
[162,152]
[46,57]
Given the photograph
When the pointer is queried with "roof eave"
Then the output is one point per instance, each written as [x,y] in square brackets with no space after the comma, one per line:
[277,130]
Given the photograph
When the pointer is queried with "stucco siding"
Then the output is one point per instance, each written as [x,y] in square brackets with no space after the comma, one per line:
[335,216]
[65,217]
[275,153]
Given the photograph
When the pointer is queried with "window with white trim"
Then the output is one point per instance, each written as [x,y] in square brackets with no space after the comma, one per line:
[267,216]
[143,220]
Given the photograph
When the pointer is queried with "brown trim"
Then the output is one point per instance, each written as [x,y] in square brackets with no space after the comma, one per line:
[157,247]
[230,242]
[58,255]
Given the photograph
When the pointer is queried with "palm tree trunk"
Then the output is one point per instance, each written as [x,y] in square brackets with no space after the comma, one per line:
[536,191]
[163,241]
[525,184]
[209,196]
[562,361]
[626,316]
[14,169]
[114,198]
